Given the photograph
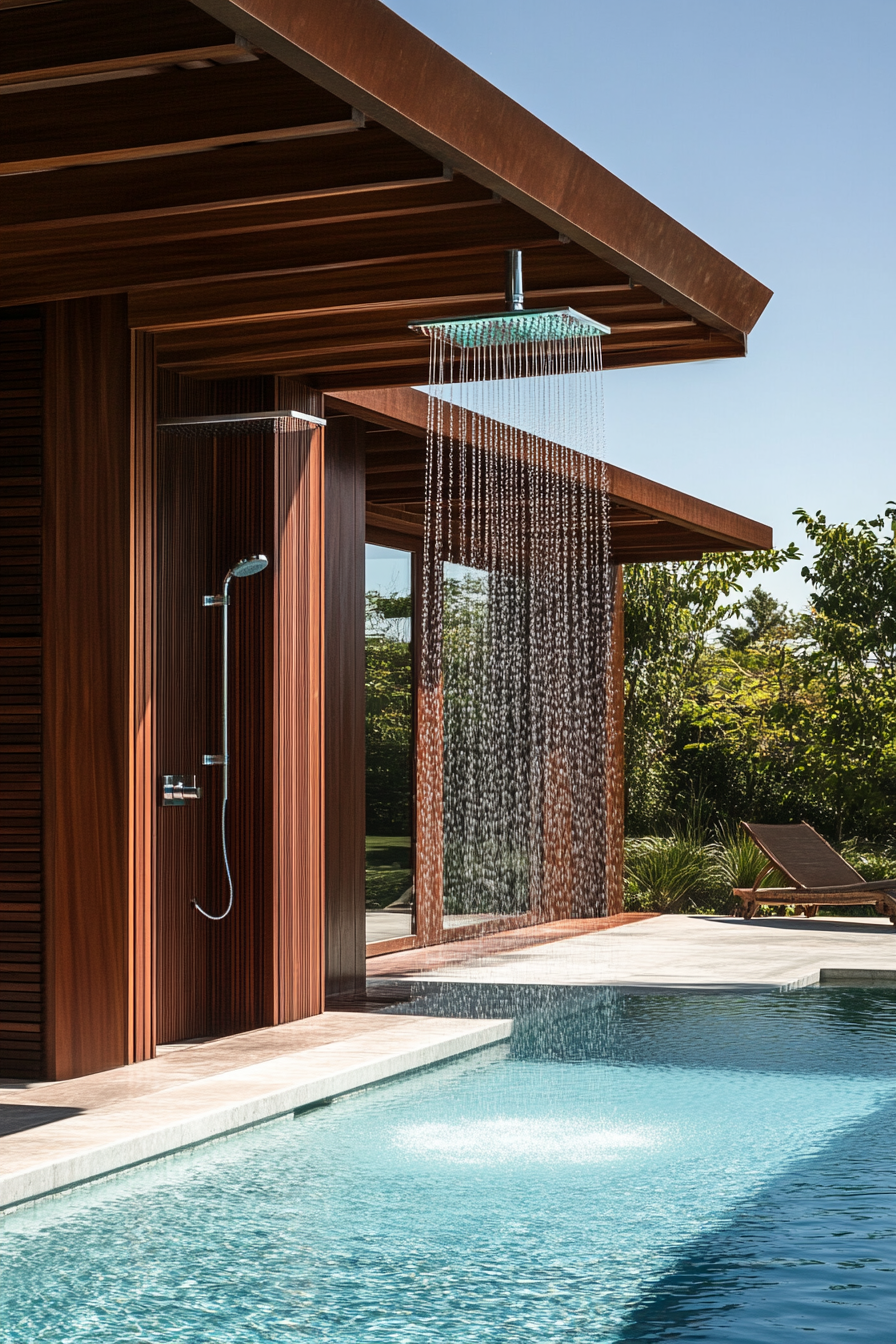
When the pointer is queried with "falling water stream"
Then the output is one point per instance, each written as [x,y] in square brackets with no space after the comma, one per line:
[518,596]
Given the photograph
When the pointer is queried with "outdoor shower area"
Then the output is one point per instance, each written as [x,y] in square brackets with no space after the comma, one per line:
[415,601]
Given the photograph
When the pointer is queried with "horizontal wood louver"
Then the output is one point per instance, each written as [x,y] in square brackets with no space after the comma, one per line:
[21,375]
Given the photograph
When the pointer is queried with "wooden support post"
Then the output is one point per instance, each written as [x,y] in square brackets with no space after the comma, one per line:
[296,945]
[87,725]
[344,806]
[615,870]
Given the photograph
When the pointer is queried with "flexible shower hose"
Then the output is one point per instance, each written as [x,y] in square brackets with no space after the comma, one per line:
[224,913]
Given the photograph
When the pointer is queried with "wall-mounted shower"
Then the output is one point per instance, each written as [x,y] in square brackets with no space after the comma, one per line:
[252,564]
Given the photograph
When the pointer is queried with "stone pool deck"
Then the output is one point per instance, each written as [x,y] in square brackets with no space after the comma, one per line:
[679,952]
[55,1135]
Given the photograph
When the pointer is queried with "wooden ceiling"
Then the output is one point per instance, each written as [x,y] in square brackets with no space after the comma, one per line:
[260,222]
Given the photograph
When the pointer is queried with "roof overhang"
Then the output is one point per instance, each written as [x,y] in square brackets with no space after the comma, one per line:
[649,521]
[365,53]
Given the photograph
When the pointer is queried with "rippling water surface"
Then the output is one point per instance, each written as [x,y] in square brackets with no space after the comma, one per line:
[628,1168]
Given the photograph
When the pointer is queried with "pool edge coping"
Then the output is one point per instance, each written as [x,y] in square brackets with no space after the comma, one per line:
[90,1163]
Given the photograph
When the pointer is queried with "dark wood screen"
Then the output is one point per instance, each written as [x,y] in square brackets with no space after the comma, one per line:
[219,499]
[213,508]
[21,380]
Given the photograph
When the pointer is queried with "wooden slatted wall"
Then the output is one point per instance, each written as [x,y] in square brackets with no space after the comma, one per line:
[21,377]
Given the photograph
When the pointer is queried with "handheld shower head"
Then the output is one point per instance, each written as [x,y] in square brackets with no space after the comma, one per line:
[253,564]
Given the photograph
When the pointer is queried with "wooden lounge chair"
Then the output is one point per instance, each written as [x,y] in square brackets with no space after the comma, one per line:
[820,876]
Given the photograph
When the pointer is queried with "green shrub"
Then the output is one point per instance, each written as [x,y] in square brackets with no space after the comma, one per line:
[737,862]
[666,873]
[875,863]
[679,873]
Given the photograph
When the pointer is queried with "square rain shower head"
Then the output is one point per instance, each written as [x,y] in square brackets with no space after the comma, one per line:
[235,422]
[532,326]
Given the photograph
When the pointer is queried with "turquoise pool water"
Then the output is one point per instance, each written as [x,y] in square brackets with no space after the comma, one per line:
[627,1168]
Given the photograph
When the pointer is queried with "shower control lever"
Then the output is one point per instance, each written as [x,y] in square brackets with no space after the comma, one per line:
[211,759]
[177,790]
[216,600]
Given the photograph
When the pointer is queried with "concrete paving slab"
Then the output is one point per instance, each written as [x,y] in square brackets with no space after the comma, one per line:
[690,952]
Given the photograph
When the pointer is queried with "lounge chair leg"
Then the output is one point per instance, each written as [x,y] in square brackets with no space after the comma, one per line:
[749,909]
[810,911]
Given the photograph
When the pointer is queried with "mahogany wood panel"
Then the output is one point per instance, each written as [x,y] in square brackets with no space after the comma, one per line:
[345,704]
[143,771]
[133,118]
[218,499]
[21,380]
[214,506]
[81,31]
[298,761]
[86,722]
[365,53]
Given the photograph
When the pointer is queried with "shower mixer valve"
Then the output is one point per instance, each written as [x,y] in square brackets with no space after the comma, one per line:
[178,790]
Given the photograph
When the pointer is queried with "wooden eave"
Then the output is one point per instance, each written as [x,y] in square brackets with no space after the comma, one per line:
[649,521]
[277,190]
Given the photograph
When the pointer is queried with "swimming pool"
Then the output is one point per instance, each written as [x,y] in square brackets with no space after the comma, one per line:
[627,1167]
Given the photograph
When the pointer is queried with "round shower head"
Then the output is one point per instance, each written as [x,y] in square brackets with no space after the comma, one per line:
[253,564]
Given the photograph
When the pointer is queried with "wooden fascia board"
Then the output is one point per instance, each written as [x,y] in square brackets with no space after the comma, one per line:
[366,54]
[404,408]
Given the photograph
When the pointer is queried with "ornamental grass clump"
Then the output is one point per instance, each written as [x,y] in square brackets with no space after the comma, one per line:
[666,873]
[737,862]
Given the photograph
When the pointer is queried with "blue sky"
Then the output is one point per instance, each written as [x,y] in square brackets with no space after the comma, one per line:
[768,129]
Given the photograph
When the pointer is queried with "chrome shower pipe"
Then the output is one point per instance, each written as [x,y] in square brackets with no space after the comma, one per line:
[252,564]
[513,280]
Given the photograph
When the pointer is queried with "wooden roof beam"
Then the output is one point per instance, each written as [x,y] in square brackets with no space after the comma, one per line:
[226,178]
[367,54]
[322,248]
[81,38]
[431,196]
[189,111]
[415,288]
[124,67]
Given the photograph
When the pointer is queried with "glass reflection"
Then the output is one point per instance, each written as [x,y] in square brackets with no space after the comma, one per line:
[389,885]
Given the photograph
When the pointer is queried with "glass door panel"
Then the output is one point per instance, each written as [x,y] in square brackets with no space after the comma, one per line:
[389,884]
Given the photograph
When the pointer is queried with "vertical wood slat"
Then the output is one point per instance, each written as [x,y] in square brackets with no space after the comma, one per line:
[142,772]
[615,871]
[21,406]
[87,728]
[344,785]
[297,946]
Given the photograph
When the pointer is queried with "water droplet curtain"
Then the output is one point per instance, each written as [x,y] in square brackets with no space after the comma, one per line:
[518,589]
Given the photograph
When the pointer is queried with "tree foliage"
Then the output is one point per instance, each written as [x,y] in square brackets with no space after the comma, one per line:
[388,719]
[781,717]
